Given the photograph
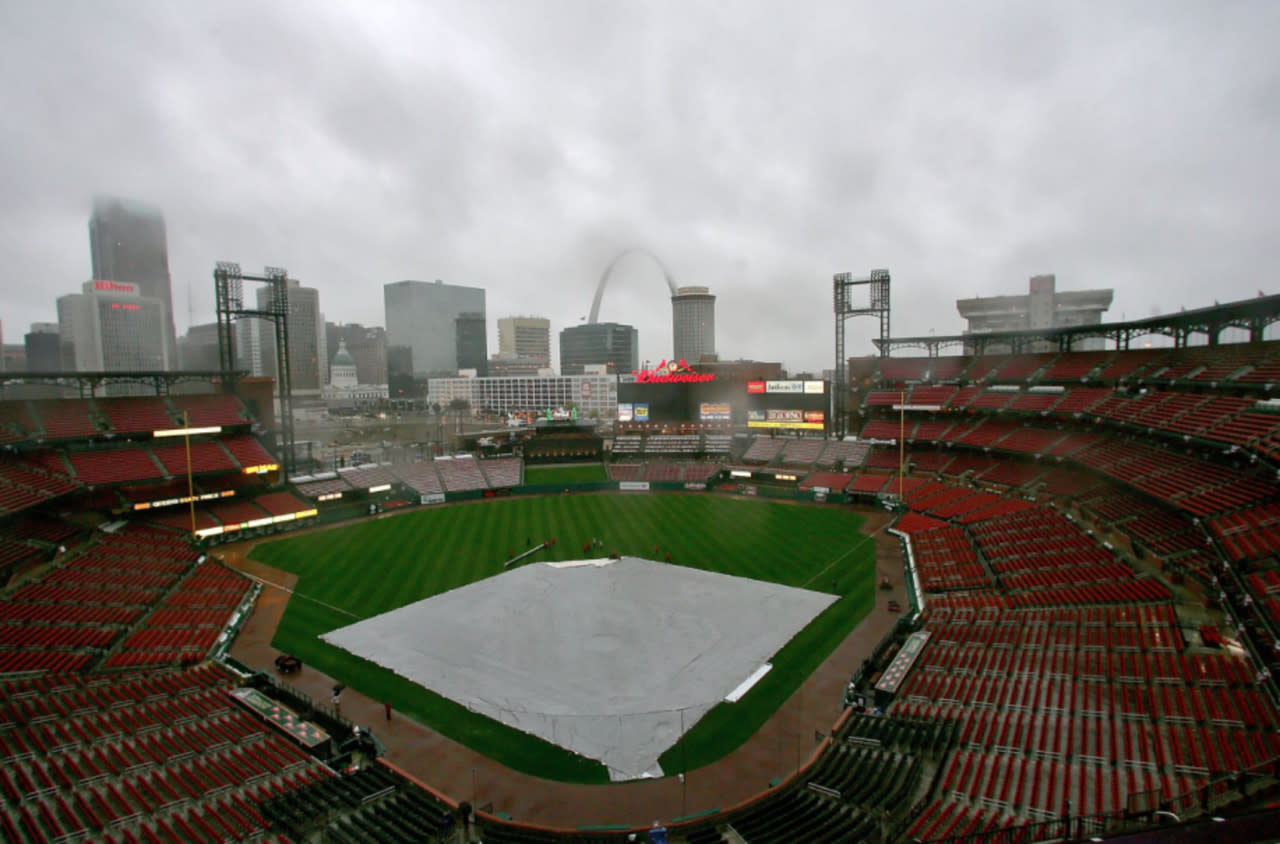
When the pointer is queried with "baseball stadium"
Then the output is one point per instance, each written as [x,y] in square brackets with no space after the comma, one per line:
[1016,587]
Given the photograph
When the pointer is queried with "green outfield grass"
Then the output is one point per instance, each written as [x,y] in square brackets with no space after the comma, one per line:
[585,474]
[355,572]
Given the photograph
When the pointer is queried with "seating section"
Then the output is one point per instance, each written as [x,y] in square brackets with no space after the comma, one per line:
[369,475]
[502,472]
[114,466]
[1046,699]
[85,612]
[208,410]
[148,757]
[833,481]
[374,804]
[668,471]
[247,451]
[280,503]
[460,473]
[625,471]
[26,482]
[135,415]
[673,444]
[763,450]
[846,453]
[65,419]
[802,452]
[17,423]
[420,476]
[1232,363]
[1250,534]
[324,486]
[206,456]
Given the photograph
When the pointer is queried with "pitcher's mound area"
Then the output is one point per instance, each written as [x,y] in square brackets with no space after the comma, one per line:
[607,658]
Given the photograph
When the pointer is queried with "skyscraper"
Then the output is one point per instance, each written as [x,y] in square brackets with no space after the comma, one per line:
[473,343]
[615,345]
[128,244]
[424,317]
[693,323]
[199,348]
[43,348]
[525,337]
[112,327]
[308,362]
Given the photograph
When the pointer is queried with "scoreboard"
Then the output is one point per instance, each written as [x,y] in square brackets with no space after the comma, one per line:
[787,405]
[757,405]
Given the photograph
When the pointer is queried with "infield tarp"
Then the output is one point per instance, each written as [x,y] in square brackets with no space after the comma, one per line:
[608,659]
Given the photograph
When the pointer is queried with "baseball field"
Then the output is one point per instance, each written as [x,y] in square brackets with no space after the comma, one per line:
[355,572]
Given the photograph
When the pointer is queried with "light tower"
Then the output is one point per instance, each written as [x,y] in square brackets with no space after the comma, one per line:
[842,284]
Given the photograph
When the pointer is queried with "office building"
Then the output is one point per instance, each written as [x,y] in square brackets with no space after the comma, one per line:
[111,327]
[424,317]
[525,337]
[128,244]
[693,324]
[308,361]
[472,343]
[594,396]
[43,345]
[1043,307]
[198,348]
[611,344]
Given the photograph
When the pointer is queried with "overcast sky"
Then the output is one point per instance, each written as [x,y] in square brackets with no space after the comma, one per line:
[756,148]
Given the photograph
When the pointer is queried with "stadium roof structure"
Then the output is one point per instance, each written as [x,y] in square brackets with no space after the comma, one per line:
[87,383]
[1253,315]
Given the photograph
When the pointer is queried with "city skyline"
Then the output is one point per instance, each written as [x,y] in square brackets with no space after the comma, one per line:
[756,153]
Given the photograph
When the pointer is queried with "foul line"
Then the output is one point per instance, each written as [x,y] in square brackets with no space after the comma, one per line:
[297,594]
[869,537]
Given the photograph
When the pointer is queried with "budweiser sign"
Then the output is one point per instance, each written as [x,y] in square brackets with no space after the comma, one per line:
[671,372]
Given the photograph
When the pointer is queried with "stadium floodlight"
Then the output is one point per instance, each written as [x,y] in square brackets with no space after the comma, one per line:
[187,432]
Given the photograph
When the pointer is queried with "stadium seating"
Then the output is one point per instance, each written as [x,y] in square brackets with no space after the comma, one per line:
[280,503]
[247,451]
[209,410]
[460,473]
[502,472]
[420,476]
[135,415]
[324,486]
[763,450]
[846,453]
[65,419]
[114,466]
[206,456]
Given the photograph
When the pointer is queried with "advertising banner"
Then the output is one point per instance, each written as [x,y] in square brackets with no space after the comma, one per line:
[715,412]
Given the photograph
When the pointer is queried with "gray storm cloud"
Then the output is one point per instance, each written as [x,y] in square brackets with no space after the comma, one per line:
[756,149]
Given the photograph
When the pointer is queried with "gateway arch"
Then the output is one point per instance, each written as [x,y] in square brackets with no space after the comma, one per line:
[608,271]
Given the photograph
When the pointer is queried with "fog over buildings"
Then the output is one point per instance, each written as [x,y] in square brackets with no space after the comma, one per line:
[755,149]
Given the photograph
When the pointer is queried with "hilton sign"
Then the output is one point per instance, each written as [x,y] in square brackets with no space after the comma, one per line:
[673,372]
[114,287]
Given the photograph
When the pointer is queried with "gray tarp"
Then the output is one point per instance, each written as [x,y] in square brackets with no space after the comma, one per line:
[605,658]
